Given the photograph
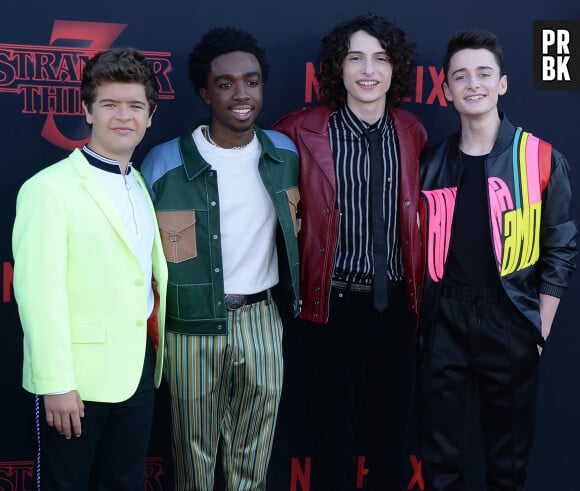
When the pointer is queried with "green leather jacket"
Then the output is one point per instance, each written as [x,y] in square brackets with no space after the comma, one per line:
[185,194]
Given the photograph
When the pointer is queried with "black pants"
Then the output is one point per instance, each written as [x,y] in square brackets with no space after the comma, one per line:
[359,373]
[110,453]
[479,341]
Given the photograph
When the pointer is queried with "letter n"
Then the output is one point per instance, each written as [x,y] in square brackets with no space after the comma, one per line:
[7,279]
[311,83]
[300,476]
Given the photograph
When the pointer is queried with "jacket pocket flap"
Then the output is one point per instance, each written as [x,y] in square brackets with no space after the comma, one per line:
[175,222]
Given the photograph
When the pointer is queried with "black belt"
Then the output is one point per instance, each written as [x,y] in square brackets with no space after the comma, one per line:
[352,287]
[394,287]
[233,301]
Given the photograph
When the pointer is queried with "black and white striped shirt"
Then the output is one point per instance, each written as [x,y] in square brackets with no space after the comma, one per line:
[354,255]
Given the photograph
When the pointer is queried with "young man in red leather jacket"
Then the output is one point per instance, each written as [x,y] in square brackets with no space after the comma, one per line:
[358,321]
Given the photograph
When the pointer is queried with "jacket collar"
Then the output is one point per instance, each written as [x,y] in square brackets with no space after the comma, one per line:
[317,120]
[503,140]
[318,116]
[505,135]
[194,163]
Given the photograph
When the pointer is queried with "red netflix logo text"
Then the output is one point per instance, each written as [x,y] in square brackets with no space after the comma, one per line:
[301,472]
[7,279]
[428,86]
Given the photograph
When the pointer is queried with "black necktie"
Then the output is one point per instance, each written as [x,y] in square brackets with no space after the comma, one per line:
[380,282]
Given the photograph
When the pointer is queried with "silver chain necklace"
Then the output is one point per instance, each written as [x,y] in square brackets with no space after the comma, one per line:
[206,132]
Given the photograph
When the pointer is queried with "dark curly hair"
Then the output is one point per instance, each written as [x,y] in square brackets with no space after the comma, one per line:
[126,65]
[220,41]
[335,46]
[474,39]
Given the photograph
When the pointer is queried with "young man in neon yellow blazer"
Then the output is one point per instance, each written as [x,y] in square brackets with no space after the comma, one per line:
[90,281]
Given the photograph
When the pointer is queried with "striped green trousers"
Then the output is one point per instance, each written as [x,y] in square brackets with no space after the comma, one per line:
[228,387]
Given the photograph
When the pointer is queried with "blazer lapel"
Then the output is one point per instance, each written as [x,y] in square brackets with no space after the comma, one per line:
[98,193]
[320,153]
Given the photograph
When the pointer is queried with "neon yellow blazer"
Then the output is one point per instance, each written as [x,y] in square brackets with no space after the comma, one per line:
[80,289]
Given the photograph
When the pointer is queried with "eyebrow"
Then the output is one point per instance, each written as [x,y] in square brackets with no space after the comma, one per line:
[228,76]
[481,67]
[135,101]
[384,52]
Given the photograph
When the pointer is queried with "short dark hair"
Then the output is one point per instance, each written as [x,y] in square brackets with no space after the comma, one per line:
[335,46]
[473,39]
[125,65]
[220,41]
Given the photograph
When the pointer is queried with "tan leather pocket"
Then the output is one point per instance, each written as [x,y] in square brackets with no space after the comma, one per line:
[178,234]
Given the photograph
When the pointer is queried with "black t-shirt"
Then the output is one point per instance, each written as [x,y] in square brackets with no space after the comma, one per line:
[471,258]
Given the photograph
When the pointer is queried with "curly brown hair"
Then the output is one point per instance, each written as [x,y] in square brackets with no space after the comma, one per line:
[335,46]
[126,65]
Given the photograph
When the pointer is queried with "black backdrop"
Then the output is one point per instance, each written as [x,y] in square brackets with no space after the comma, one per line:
[39,43]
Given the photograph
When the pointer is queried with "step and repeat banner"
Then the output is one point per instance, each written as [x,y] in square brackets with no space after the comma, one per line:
[43,47]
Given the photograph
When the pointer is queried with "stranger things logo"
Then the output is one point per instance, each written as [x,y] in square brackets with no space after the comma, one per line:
[19,476]
[47,79]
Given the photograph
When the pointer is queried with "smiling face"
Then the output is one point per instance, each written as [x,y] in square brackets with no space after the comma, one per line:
[119,117]
[366,73]
[234,93]
[474,82]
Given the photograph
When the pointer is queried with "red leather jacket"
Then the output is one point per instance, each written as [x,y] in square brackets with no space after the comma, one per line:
[319,217]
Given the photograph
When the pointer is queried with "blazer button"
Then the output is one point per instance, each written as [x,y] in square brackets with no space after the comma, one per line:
[140,323]
[139,282]
[407,202]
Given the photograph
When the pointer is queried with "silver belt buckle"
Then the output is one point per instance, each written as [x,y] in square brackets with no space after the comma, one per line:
[234,301]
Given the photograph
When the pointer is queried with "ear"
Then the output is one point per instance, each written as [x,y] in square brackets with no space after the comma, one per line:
[204,95]
[503,84]
[88,115]
[150,120]
[447,92]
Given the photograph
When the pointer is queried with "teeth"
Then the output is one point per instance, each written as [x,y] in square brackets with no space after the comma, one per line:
[241,111]
[475,97]
[367,83]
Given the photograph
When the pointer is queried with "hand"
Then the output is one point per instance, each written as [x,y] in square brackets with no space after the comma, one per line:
[548,308]
[64,412]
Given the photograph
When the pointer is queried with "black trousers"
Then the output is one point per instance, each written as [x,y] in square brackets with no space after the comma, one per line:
[479,341]
[359,373]
[110,453]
